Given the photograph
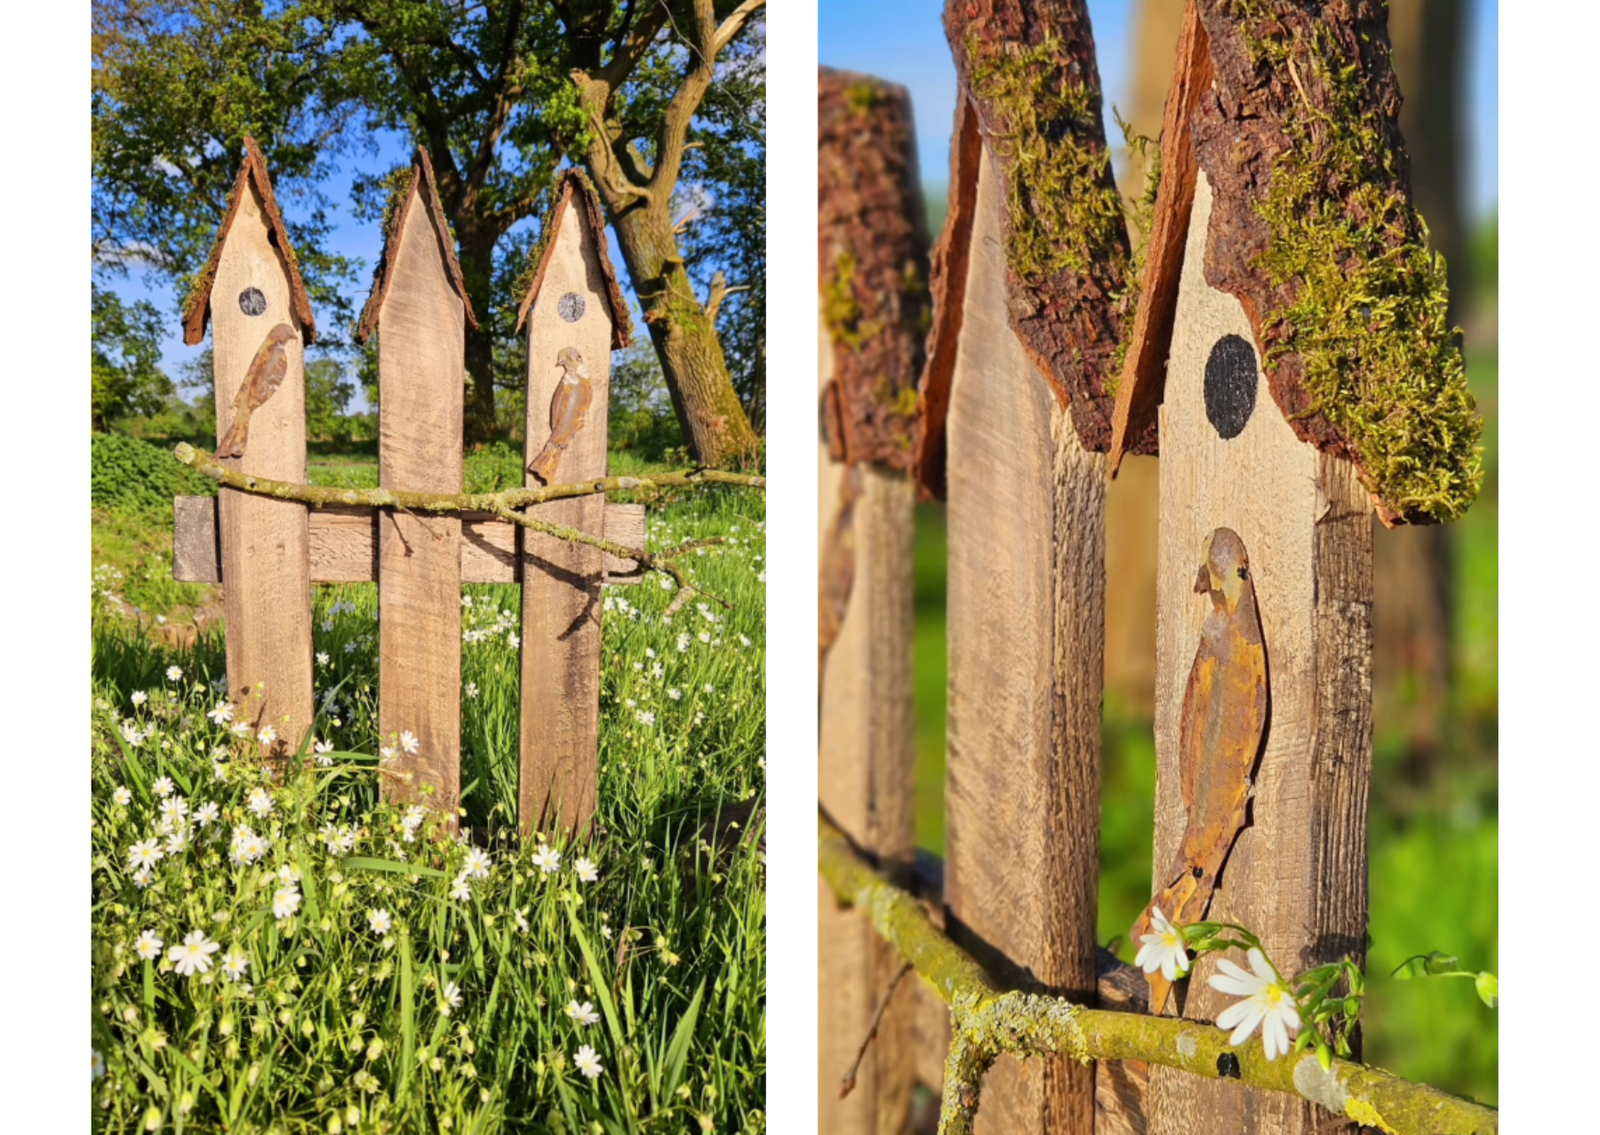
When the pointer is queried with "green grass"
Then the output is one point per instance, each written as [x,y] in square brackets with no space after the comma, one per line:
[1433,847]
[334,1027]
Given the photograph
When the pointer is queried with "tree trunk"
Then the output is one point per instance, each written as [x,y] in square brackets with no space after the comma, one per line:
[713,420]
[1413,643]
[477,262]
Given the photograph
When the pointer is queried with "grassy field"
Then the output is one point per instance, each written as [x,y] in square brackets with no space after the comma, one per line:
[368,977]
[1434,842]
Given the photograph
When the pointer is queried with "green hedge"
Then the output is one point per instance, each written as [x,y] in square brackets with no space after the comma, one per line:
[127,473]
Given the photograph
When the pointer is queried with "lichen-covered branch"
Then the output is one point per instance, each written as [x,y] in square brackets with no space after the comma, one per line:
[987,1023]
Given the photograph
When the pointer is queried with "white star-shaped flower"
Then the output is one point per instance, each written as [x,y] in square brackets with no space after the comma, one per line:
[1162,950]
[1267,1002]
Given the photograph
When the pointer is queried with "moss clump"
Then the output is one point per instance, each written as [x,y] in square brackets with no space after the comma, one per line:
[1369,317]
[1063,210]
[841,311]
[861,97]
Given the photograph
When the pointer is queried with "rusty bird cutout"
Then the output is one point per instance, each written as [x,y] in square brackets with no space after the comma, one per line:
[261,382]
[1224,717]
[568,406]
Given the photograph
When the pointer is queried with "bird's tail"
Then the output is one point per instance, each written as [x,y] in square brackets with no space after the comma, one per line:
[545,465]
[1181,901]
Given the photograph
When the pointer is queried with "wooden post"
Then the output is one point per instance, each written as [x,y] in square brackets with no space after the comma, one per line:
[420,310]
[1297,874]
[872,254]
[1026,610]
[575,318]
[250,291]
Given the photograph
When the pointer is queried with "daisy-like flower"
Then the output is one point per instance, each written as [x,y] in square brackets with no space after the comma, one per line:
[409,742]
[241,729]
[173,809]
[514,641]
[683,644]
[142,877]
[267,735]
[386,753]
[675,694]
[547,859]
[588,1062]
[97,1064]
[206,813]
[219,771]
[234,964]
[1267,1002]
[322,658]
[586,870]
[177,840]
[379,921]
[285,901]
[646,717]
[472,689]
[260,801]
[122,796]
[704,636]
[148,946]
[289,873]
[247,846]
[139,697]
[221,713]
[174,673]
[477,864]
[460,890]
[584,1014]
[193,955]
[449,998]
[132,735]
[1162,950]
[522,922]
[144,855]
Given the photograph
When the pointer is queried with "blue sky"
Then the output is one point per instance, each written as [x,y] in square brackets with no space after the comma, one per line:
[903,41]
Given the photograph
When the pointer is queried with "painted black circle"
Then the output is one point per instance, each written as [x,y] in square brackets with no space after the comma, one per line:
[1230,385]
[570,307]
[252,302]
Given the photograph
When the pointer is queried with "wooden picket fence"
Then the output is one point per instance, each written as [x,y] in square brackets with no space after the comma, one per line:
[1017,886]
[268,554]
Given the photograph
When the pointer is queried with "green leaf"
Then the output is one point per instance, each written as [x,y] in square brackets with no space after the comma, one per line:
[408,1022]
[678,1048]
[1489,989]
[362,863]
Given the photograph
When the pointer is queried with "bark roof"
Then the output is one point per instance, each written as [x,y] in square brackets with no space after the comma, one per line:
[575,189]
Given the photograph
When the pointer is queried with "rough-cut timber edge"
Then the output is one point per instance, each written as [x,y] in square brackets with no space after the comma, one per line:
[1028,69]
[988,1022]
[950,258]
[575,184]
[872,250]
[1144,372]
[394,224]
[197,307]
[1314,232]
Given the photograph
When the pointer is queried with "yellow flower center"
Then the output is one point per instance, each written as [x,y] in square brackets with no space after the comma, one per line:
[1169,939]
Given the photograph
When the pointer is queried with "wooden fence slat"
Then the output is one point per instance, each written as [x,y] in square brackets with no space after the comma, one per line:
[570,312]
[421,320]
[1026,595]
[344,544]
[267,599]
[1297,874]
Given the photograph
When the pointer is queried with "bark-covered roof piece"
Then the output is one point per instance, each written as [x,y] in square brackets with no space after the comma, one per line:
[574,188]
[1028,69]
[872,251]
[394,223]
[197,306]
[1313,230]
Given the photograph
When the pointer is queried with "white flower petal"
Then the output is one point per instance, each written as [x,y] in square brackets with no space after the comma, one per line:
[1252,1018]
[1233,1014]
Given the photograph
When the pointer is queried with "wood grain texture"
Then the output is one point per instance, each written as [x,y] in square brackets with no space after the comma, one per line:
[267,597]
[421,344]
[1297,874]
[561,581]
[344,544]
[865,780]
[1026,608]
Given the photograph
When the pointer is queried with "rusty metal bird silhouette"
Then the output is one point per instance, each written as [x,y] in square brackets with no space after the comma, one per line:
[568,407]
[261,382]
[1224,717]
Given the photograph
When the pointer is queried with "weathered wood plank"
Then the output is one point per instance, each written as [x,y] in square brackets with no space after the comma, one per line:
[344,544]
[421,339]
[267,600]
[1297,874]
[569,345]
[865,780]
[1026,610]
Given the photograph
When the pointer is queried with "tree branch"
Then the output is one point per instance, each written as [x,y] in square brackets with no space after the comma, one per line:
[988,1023]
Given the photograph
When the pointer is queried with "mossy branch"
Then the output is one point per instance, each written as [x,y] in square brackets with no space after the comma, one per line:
[987,1022]
[503,504]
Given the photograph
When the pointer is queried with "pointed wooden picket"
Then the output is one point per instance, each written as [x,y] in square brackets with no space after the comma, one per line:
[420,311]
[251,294]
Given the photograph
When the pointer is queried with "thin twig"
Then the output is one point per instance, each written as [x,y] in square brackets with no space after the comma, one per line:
[848,1084]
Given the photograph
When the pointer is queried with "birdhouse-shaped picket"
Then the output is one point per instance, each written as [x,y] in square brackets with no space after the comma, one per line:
[419,310]
[575,315]
[250,293]
[1291,351]
[1028,283]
